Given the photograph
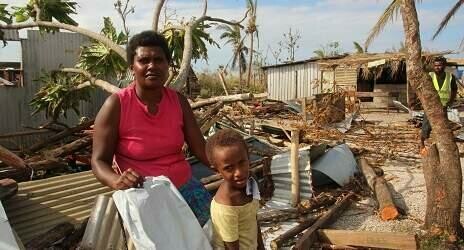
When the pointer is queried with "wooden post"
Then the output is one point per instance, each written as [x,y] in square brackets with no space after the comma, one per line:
[294,167]
[252,128]
[223,81]
[303,109]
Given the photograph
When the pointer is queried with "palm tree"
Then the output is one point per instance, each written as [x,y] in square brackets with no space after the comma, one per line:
[251,30]
[389,14]
[59,10]
[233,36]
[359,49]
[101,61]
[175,39]
[441,165]
[447,18]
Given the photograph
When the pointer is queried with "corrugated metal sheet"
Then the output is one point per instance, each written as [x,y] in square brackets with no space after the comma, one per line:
[293,81]
[41,51]
[42,204]
[11,35]
[104,229]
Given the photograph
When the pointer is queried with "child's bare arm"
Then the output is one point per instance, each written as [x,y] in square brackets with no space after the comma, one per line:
[260,238]
[232,245]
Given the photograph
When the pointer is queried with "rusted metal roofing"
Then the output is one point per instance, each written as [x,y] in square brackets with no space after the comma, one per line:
[42,204]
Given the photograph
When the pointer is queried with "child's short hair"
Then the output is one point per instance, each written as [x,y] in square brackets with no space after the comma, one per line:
[223,138]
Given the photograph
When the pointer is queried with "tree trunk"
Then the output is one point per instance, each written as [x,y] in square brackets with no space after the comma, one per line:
[442,168]
[156,15]
[250,61]
[240,73]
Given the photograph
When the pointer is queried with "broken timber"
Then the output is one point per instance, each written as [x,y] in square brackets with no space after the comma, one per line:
[277,242]
[11,159]
[383,240]
[225,99]
[309,237]
[387,208]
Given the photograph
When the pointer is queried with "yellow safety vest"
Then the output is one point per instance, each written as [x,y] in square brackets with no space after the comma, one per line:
[445,91]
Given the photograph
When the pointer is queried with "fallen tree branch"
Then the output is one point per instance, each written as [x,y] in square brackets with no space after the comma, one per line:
[309,237]
[11,159]
[39,145]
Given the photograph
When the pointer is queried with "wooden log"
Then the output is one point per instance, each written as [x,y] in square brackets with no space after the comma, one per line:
[309,237]
[70,147]
[387,208]
[295,173]
[45,240]
[225,99]
[11,159]
[383,240]
[278,242]
[39,145]
[24,133]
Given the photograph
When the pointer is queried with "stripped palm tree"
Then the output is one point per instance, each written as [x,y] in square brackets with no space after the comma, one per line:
[447,18]
[252,31]
[233,37]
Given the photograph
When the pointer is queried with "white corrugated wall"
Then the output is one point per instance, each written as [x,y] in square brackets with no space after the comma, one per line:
[293,81]
[41,51]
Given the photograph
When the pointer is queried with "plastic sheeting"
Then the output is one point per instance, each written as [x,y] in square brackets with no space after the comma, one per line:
[157,217]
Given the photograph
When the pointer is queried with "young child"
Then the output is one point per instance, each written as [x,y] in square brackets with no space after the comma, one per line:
[233,211]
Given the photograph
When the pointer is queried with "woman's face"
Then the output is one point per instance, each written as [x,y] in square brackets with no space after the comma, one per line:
[150,67]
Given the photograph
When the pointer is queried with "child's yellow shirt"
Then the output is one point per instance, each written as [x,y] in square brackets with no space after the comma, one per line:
[231,223]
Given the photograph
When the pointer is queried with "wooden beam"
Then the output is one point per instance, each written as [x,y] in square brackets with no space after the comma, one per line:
[295,171]
[278,242]
[387,208]
[377,94]
[310,236]
[384,240]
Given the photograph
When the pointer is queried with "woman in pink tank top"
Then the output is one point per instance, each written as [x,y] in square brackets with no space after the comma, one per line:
[142,128]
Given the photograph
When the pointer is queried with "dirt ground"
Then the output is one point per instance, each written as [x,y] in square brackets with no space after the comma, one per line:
[406,183]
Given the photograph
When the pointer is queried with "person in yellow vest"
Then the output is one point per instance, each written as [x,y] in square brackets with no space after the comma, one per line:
[445,84]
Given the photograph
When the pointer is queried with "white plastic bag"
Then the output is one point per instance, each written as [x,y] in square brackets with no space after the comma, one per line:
[157,217]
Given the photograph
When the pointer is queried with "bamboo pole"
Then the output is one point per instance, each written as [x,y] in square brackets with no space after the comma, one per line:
[295,134]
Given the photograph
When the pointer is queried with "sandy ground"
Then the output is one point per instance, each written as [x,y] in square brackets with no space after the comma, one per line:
[406,183]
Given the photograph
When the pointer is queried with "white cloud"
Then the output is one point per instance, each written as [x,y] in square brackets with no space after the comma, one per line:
[320,22]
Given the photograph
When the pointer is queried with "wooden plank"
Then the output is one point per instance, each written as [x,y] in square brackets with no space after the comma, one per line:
[384,240]
[310,236]
[377,94]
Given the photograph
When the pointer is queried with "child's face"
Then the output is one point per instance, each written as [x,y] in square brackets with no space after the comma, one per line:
[233,164]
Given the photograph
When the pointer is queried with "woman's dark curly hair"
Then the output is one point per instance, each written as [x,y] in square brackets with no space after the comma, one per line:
[147,39]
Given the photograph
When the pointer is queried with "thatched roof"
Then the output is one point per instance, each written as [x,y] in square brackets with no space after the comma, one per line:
[394,61]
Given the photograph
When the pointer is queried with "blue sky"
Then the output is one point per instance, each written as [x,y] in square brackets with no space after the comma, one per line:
[318,21]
